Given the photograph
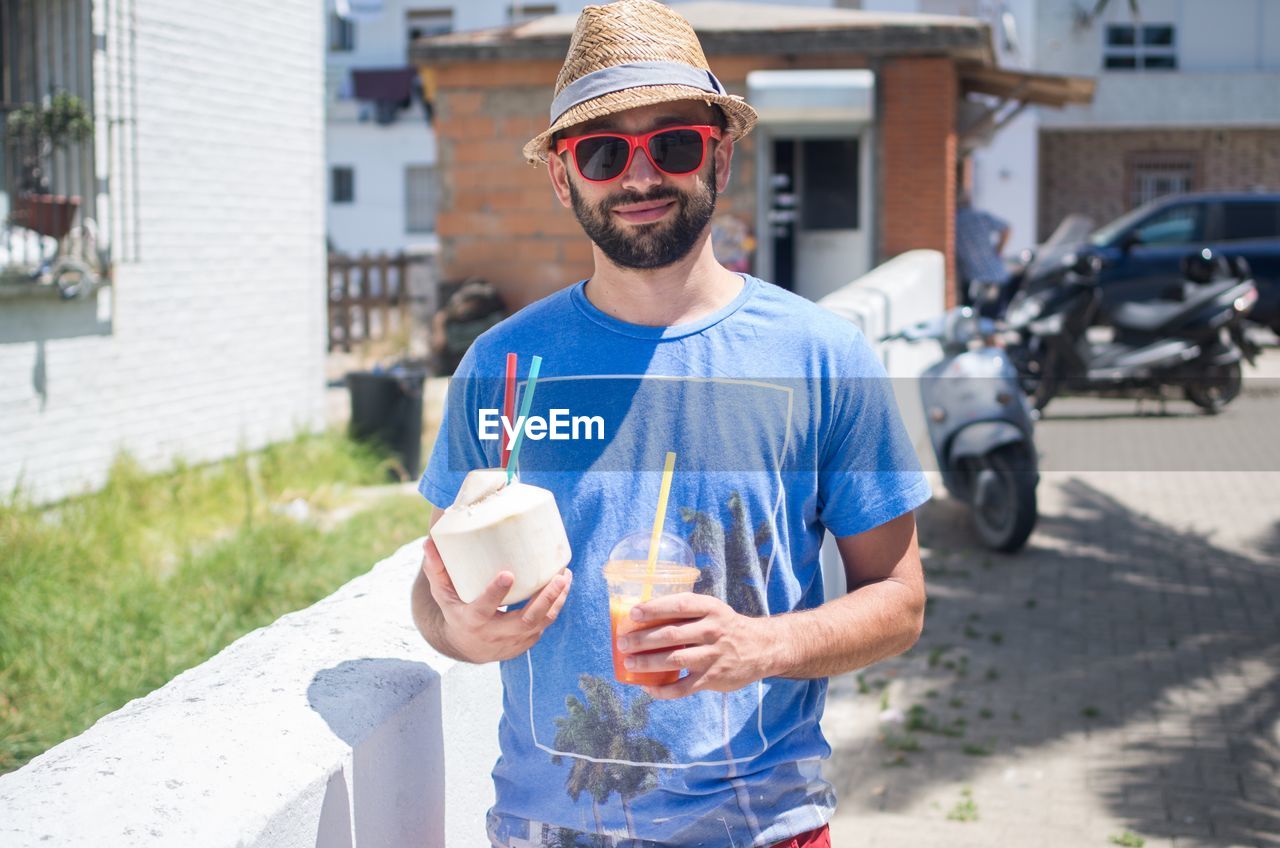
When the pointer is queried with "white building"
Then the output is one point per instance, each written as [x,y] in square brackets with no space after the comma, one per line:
[206,177]
[1186,101]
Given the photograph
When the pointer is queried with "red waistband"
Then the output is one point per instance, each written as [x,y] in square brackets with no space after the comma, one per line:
[820,838]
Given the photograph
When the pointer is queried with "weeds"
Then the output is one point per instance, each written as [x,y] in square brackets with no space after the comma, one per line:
[906,743]
[965,810]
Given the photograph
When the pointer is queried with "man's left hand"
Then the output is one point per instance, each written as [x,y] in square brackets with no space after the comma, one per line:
[721,649]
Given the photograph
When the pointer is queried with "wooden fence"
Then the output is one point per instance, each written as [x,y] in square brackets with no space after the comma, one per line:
[369,298]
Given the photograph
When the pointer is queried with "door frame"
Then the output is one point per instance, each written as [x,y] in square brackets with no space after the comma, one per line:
[766,135]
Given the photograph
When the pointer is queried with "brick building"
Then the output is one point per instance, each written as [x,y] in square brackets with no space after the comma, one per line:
[864,120]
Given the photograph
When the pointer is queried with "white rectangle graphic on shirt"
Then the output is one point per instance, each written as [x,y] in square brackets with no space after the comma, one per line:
[757,686]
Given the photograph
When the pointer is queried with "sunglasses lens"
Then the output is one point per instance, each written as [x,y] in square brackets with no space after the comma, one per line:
[677,152]
[603,157]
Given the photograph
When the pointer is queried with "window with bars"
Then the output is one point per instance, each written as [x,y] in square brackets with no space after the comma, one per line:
[1140,47]
[1156,174]
[342,184]
[420,198]
[67,82]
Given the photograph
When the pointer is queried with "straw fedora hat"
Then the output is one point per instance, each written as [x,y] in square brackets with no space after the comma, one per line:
[629,54]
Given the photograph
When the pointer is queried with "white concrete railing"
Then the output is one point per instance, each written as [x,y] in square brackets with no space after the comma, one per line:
[336,726]
[909,288]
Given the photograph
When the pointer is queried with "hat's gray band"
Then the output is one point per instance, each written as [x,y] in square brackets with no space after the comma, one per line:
[632,75]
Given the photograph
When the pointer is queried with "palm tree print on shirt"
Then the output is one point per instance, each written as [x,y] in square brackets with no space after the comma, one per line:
[738,574]
[736,570]
[602,728]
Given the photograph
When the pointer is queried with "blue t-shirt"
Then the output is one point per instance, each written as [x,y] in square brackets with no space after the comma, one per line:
[783,424]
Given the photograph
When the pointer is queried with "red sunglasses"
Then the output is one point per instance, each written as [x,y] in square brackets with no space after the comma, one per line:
[675,151]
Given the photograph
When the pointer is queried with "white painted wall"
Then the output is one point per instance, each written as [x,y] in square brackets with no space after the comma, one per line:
[215,338]
[379,155]
[1006,172]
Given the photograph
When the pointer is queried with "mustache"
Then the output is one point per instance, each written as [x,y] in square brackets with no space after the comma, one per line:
[626,198]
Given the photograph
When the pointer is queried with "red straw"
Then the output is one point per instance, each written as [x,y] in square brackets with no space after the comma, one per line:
[509,407]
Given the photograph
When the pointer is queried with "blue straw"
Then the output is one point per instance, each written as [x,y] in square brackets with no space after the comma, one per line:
[525,403]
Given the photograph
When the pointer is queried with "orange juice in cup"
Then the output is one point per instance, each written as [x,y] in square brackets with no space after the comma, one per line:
[632,581]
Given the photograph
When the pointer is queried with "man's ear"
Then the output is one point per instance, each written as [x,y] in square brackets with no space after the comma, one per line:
[723,157]
[559,174]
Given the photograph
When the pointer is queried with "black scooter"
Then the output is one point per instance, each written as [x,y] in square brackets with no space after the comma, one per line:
[980,426]
[1194,341]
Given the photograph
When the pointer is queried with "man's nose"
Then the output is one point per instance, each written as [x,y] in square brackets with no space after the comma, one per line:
[641,174]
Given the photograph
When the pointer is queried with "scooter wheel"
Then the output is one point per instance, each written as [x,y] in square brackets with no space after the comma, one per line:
[1004,498]
[1219,385]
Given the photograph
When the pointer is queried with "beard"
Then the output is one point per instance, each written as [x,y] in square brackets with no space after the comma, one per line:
[656,244]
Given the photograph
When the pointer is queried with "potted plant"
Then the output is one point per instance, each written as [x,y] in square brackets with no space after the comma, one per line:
[34,131]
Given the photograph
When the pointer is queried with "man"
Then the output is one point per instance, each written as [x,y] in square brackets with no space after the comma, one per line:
[784,428]
[980,241]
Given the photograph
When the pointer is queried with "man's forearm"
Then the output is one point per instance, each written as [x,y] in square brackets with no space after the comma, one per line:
[430,621]
[875,621]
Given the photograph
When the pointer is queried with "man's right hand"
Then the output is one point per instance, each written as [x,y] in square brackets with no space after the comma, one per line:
[481,632]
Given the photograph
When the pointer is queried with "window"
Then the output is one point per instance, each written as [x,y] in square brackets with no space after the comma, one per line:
[829,198]
[420,190]
[1154,174]
[68,163]
[518,13]
[1179,224]
[1253,219]
[342,184]
[342,34]
[1132,47]
[423,23]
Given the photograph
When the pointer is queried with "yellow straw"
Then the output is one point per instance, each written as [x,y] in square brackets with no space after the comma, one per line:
[663,493]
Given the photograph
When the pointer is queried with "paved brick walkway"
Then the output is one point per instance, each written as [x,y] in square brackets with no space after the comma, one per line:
[1119,679]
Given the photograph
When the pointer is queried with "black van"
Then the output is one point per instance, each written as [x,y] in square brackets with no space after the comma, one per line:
[1142,249]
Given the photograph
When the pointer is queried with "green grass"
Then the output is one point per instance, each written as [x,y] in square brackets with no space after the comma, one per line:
[108,596]
[1128,838]
[905,743]
[965,810]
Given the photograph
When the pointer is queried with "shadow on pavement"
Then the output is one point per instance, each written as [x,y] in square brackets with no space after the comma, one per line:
[1146,651]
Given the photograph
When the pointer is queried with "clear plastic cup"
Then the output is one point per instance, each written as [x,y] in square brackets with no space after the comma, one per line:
[628,574]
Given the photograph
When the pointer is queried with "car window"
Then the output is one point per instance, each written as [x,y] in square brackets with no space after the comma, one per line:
[1176,225]
[1251,219]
